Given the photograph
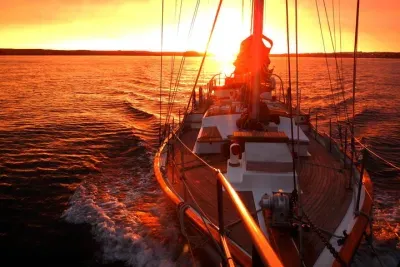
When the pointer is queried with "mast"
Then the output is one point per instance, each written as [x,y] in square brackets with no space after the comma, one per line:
[258,12]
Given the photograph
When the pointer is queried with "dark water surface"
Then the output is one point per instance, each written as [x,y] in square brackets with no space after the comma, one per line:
[77,139]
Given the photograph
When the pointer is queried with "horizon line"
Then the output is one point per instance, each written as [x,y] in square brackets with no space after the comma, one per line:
[189,53]
[171,51]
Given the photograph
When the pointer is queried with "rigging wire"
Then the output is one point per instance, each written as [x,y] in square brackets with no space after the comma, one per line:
[205,53]
[355,64]
[354,83]
[341,64]
[161,65]
[335,57]
[340,41]
[298,95]
[173,57]
[338,74]
[327,64]
[334,23]
[242,13]
[290,93]
[377,155]
[171,103]
[252,15]
[173,60]
[194,154]
[177,82]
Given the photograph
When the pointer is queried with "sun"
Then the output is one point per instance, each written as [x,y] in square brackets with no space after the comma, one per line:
[224,56]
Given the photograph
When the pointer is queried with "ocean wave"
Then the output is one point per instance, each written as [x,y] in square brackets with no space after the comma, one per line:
[138,113]
[127,225]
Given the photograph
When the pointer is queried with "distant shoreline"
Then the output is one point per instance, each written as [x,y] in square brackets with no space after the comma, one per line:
[49,52]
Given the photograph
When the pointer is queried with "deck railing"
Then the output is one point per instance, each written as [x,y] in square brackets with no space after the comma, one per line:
[341,152]
[358,179]
[261,247]
[262,252]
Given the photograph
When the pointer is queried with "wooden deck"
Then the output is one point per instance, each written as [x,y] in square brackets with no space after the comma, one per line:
[323,183]
[202,184]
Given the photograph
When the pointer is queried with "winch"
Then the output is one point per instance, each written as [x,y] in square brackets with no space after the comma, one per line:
[279,207]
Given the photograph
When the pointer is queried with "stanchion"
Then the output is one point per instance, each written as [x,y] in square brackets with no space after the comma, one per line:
[364,155]
[182,173]
[316,125]
[345,148]
[330,135]
[173,151]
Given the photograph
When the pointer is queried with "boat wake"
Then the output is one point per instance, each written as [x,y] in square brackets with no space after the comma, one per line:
[128,215]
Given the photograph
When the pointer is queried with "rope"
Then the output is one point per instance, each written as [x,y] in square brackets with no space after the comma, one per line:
[182,207]
[378,156]
[181,216]
[205,54]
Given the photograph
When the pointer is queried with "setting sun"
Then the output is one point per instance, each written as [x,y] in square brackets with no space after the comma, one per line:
[136,25]
[199,133]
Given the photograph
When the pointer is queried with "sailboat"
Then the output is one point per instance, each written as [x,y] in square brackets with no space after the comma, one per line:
[251,172]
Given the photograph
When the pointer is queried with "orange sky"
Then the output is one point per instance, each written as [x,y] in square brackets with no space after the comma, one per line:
[135,25]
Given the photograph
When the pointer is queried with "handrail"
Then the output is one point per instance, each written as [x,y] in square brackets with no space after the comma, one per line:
[267,254]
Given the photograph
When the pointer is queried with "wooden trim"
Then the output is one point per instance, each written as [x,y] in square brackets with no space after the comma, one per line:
[272,167]
[240,256]
[259,136]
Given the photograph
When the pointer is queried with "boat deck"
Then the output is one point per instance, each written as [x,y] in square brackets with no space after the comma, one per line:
[322,180]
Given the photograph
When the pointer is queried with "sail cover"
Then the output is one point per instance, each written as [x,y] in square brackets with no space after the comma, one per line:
[245,61]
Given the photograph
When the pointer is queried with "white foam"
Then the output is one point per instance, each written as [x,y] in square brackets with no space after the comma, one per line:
[134,228]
